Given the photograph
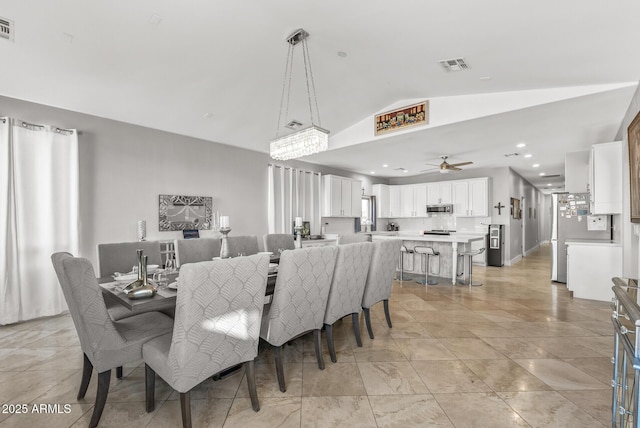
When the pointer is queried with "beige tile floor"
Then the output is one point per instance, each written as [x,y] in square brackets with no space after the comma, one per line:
[518,351]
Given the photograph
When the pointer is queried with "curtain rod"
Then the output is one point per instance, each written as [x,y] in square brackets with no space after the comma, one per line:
[35,125]
[293,169]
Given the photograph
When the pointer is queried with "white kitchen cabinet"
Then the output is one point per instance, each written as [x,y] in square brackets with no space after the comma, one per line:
[383,205]
[471,197]
[394,201]
[439,193]
[342,197]
[576,172]
[413,200]
[590,267]
[605,178]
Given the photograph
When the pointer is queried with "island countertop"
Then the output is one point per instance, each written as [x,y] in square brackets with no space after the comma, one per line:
[453,238]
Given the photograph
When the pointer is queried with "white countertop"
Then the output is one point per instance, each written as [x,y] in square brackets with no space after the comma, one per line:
[457,237]
[592,242]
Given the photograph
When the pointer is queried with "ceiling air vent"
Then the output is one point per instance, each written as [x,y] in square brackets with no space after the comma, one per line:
[551,176]
[294,125]
[6,29]
[454,64]
[508,155]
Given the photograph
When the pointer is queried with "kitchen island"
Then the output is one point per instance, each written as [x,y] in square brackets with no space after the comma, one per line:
[449,246]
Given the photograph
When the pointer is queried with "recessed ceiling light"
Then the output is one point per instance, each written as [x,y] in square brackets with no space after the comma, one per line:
[528,155]
[405,171]
[521,145]
[542,174]
[549,184]
[208,115]
[342,54]
[535,165]
[385,165]
[373,172]
[486,78]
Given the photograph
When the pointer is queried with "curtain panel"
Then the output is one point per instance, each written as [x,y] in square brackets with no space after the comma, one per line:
[293,193]
[39,180]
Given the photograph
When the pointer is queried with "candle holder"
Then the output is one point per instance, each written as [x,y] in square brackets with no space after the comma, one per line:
[298,230]
[224,248]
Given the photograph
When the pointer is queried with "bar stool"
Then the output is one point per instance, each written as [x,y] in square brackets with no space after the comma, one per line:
[404,250]
[426,252]
[468,265]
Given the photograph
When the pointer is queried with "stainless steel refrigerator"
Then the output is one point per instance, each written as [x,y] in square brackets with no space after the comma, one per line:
[569,221]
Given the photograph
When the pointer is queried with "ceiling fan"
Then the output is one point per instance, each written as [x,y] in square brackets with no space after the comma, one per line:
[445,166]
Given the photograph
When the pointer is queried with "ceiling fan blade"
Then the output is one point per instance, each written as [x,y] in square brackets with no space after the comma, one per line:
[453,168]
[460,164]
[430,169]
[433,164]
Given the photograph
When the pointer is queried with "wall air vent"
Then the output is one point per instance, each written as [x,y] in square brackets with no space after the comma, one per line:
[454,64]
[6,29]
[294,125]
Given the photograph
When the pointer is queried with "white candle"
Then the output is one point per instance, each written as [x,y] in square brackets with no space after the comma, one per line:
[298,221]
[224,221]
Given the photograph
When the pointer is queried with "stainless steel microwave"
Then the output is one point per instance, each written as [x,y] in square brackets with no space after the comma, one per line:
[442,209]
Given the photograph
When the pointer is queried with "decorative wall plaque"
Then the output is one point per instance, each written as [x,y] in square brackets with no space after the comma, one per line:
[179,212]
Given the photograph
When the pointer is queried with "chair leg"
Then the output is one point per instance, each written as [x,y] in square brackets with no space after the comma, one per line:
[386,312]
[185,406]
[250,373]
[356,327]
[119,372]
[87,369]
[104,379]
[317,335]
[367,321]
[277,351]
[332,350]
[150,387]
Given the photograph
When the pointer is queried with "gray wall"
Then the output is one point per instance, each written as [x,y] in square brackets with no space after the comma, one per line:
[623,226]
[124,167]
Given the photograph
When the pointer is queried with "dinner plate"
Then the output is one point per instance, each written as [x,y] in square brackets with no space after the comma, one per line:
[270,253]
[173,285]
[152,268]
[127,277]
[273,267]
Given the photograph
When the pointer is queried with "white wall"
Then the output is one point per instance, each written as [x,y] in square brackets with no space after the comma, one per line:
[124,167]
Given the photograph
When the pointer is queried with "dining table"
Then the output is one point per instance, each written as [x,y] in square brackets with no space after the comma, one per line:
[165,297]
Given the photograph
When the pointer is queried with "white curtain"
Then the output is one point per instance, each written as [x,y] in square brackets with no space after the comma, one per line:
[39,182]
[293,193]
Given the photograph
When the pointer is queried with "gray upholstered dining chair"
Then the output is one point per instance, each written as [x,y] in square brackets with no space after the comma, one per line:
[106,344]
[121,256]
[246,245]
[275,241]
[217,326]
[299,300]
[196,250]
[352,238]
[347,288]
[380,278]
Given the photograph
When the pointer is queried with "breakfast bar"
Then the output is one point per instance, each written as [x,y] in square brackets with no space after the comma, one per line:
[447,245]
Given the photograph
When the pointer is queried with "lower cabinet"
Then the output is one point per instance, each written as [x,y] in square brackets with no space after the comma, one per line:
[590,269]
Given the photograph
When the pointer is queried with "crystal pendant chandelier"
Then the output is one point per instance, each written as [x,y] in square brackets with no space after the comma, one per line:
[312,139]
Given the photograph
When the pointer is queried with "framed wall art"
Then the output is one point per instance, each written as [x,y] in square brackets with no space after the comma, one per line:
[416,114]
[634,167]
[178,212]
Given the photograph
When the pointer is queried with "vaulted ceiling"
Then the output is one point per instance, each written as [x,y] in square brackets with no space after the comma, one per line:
[556,76]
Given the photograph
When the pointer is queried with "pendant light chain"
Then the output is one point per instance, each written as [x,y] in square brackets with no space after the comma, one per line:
[286,88]
[308,71]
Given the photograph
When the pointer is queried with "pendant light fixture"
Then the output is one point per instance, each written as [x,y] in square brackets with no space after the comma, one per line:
[313,138]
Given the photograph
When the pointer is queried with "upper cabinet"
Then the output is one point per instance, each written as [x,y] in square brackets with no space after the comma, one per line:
[439,193]
[605,178]
[342,197]
[471,197]
[413,200]
[381,192]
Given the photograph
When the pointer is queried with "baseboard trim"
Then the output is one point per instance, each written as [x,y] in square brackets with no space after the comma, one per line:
[514,260]
[531,250]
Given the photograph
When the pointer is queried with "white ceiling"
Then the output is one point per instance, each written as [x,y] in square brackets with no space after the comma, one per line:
[167,65]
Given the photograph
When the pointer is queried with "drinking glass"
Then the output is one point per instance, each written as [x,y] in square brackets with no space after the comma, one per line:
[169,266]
[162,279]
